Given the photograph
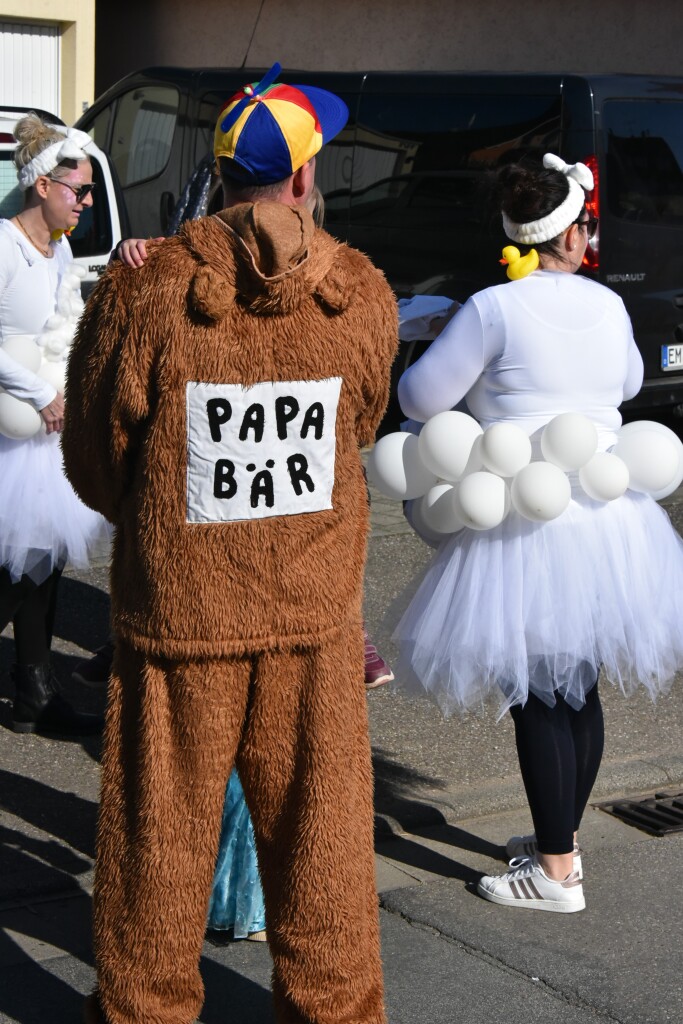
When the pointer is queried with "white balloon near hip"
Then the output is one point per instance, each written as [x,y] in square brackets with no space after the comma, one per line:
[505,449]
[446,442]
[414,512]
[18,419]
[54,373]
[438,510]
[540,492]
[482,501]
[396,469]
[605,477]
[23,350]
[653,459]
[569,441]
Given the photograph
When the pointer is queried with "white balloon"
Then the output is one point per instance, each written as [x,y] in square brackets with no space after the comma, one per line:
[642,426]
[569,440]
[414,515]
[23,349]
[54,321]
[18,419]
[474,463]
[53,373]
[605,477]
[446,443]
[482,501]
[653,461]
[396,469]
[78,270]
[540,492]
[438,510]
[505,449]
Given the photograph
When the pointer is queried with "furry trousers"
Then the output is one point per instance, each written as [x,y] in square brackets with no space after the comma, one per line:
[295,724]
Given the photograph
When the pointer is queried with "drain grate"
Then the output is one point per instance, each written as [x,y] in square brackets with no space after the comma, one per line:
[660,815]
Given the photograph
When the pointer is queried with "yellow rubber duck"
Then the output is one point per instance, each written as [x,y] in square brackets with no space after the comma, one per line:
[519,266]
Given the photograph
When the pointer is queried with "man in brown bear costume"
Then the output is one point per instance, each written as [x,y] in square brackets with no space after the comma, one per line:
[216,399]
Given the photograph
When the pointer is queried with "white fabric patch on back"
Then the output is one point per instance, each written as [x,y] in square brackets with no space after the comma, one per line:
[262,451]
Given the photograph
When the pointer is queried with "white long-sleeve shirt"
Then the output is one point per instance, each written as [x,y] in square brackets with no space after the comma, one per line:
[28,290]
[525,351]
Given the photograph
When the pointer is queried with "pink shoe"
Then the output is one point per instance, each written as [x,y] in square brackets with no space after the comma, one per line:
[377,672]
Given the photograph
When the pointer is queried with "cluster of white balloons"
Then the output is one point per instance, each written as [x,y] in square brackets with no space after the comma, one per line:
[464,476]
[45,355]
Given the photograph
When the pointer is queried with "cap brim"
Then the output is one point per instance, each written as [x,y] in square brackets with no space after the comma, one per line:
[332,112]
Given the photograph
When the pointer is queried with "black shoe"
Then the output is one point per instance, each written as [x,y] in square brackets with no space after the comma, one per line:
[95,671]
[39,706]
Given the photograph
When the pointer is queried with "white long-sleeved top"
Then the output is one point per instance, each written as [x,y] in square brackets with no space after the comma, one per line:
[28,291]
[525,351]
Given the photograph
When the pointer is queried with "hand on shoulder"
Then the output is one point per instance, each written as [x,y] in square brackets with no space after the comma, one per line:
[132,252]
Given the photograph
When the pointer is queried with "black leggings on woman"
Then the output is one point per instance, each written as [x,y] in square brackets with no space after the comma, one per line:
[559,752]
[31,609]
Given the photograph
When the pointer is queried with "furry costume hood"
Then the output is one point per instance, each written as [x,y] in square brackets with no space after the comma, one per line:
[277,260]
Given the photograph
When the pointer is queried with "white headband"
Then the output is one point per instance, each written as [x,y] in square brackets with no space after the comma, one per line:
[579,177]
[72,148]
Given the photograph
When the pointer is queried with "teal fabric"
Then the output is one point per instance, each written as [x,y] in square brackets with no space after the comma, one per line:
[236,898]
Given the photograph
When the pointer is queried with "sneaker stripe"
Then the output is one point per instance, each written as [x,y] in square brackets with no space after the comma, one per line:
[515,889]
[535,893]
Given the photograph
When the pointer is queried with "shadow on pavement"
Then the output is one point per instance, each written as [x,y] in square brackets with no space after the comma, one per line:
[396,786]
[66,816]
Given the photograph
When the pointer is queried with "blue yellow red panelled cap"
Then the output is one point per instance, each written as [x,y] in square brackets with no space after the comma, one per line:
[269,130]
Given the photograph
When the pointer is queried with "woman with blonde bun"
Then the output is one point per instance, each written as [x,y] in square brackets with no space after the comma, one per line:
[43,525]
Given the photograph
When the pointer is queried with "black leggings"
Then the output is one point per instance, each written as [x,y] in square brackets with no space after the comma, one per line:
[559,752]
[31,609]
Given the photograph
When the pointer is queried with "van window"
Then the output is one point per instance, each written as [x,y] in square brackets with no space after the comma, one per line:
[425,152]
[645,160]
[92,237]
[144,125]
[11,200]
[98,129]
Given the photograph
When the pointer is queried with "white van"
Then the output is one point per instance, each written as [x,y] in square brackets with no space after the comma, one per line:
[101,225]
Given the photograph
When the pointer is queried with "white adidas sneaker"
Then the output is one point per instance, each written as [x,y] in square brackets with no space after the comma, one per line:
[525,846]
[529,888]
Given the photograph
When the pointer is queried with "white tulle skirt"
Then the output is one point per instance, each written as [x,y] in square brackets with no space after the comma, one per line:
[542,607]
[43,524]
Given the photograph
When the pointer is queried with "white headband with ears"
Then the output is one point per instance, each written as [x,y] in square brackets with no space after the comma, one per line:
[73,147]
[579,177]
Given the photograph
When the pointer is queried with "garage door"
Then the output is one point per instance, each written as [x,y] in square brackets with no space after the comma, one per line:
[29,65]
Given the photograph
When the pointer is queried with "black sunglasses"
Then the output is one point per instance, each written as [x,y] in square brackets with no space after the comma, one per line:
[80,191]
[590,224]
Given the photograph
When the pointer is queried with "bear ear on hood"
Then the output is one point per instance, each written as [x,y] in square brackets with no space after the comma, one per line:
[211,293]
[333,291]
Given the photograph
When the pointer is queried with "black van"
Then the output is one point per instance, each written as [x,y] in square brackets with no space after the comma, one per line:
[402,181]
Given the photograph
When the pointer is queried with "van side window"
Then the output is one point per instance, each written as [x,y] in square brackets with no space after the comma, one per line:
[92,237]
[11,198]
[144,125]
[98,129]
[426,152]
[645,160]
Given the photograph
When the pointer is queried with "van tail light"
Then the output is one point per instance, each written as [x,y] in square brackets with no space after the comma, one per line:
[591,259]
[7,137]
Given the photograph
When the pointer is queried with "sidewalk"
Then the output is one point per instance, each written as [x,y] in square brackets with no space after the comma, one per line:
[448,794]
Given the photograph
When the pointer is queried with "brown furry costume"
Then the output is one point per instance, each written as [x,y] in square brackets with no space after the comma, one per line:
[238,640]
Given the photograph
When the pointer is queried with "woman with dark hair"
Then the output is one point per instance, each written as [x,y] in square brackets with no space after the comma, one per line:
[534,610]
[43,525]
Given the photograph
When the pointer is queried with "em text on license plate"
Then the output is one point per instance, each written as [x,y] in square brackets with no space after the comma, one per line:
[672,357]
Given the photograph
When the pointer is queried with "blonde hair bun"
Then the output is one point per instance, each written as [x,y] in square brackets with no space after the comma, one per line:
[33,135]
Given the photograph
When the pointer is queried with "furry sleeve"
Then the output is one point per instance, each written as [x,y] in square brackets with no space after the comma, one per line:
[107,396]
[377,311]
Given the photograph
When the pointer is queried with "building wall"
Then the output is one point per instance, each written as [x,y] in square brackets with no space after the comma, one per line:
[495,35]
[76,22]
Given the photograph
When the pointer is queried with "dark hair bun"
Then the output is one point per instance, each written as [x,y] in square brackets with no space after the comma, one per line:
[527,193]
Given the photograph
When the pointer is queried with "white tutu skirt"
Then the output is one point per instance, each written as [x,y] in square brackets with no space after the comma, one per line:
[541,607]
[43,524]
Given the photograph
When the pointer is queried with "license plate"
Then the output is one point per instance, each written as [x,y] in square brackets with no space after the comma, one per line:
[672,357]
